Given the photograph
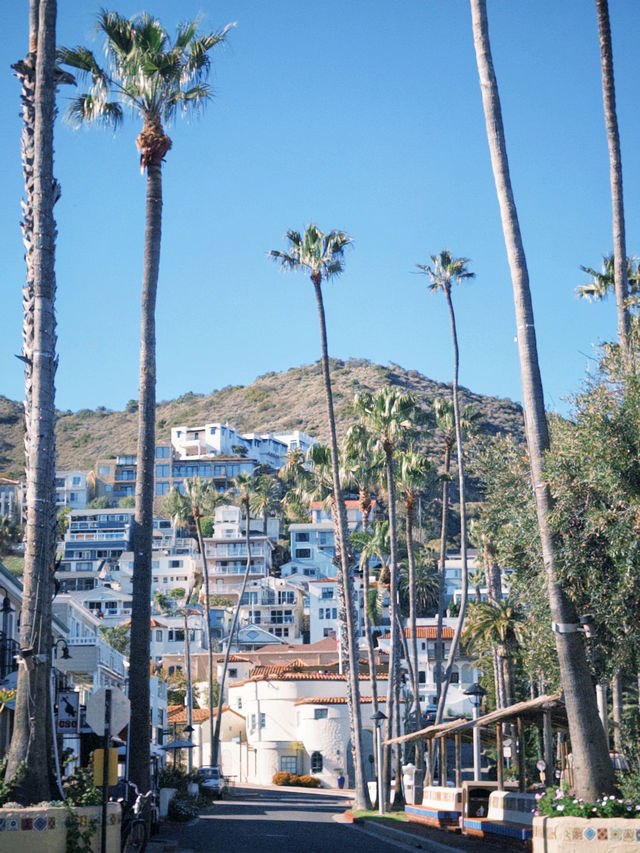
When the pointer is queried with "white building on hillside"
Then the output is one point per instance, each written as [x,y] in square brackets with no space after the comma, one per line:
[72,489]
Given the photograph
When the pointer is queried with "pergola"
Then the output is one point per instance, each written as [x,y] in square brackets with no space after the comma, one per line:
[546,711]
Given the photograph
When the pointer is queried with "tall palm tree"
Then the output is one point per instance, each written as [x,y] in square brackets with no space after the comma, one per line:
[390,416]
[593,770]
[322,257]
[445,272]
[621,284]
[199,499]
[242,487]
[30,770]
[413,478]
[153,78]
[361,471]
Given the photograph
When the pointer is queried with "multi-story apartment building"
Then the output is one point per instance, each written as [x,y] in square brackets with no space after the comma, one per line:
[226,550]
[94,542]
[312,550]
[274,605]
[72,489]
[218,439]
[324,608]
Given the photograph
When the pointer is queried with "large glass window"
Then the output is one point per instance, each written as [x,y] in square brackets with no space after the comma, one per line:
[162,452]
[327,592]
[289,763]
[302,537]
[162,470]
[303,553]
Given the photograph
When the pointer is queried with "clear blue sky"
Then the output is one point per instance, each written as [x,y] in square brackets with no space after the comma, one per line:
[364,116]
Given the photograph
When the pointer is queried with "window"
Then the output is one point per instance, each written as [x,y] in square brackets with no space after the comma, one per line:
[320,713]
[162,452]
[303,553]
[321,613]
[252,721]
[233,673]
[76,481]
[334,613]
[422,676]
[104,470]
[239,703]
[262,720]
[158,636]
[176,635]
[286,597]
[175,564]
[316,762]
[455,677]
[302,537]
[327,592]
[289,763]
[162,470]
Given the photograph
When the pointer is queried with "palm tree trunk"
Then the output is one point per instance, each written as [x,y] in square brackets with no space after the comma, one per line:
[593,770]
[207,606]
[393,688]
[215,743]
[455,642]
[143,519]
[439,648]
[361,800]
[30,768]
[621,282]
[616,711]
[418,751]
[373,675]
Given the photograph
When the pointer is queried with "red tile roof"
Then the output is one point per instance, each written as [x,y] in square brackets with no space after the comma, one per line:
[336,700]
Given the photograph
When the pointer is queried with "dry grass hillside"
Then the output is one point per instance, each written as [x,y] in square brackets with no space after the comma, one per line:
[274,402]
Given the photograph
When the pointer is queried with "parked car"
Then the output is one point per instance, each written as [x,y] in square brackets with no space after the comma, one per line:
[210,779]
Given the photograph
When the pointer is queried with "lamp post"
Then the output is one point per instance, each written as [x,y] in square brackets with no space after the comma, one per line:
[7,657]
[476,694]
[377,718]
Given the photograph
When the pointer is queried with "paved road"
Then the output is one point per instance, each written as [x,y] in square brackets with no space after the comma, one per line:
[280,821]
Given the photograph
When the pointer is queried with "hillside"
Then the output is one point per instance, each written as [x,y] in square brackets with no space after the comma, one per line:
[293,399]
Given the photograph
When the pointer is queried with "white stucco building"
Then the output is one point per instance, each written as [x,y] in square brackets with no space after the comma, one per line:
[296,722]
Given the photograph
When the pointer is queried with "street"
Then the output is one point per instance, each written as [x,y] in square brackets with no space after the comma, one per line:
[267,820]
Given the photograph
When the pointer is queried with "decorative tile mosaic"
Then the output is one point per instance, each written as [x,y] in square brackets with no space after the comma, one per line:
[603,835]
[13,824]
[26,823]
[589,833]
[40,824]
[51,822]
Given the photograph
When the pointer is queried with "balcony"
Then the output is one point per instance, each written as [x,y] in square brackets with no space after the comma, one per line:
[90,654]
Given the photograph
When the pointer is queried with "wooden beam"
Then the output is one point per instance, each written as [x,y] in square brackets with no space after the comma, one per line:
[500,757]
[458,752]
[522,781]
[443,762]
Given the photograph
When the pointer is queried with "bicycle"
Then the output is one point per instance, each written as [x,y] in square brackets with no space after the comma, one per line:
[135,833]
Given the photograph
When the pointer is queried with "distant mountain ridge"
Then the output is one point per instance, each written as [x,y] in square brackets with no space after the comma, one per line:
[275,402]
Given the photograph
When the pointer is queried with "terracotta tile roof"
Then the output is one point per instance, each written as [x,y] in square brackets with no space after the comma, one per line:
[337,700]
[234,659]
[178,714]
[323,580]
[298,676]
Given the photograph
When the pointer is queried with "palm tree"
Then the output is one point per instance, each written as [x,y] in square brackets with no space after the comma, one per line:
[603,282]
[390,416]
[593,770]
[153,78]
[621,284]
[30,772]
[322,256]
[501,627]
[413,478]
[445,272]
[243,486]
[199,499]
[361,471]
[264,498]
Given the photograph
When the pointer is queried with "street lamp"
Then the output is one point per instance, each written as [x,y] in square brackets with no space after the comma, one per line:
[476,694]
[377,718]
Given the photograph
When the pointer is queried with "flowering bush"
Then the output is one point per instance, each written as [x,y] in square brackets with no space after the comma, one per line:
[182,809]
[306,781]
[558,802]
